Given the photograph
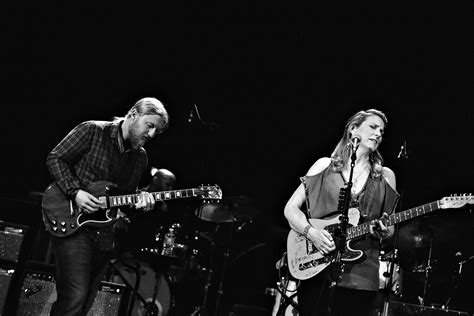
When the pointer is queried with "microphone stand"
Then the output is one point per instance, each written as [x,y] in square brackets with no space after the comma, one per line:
[340,233]
[393,260]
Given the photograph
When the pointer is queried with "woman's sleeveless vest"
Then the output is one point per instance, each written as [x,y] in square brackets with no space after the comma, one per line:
[322,194]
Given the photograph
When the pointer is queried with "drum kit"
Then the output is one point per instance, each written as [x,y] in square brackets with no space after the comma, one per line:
[181,272]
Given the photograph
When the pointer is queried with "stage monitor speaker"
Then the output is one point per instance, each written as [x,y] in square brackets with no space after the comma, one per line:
[399,309]
[38,293]
[5,280]
[11,241]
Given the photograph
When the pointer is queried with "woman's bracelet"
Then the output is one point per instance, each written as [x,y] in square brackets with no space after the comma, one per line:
[306,230]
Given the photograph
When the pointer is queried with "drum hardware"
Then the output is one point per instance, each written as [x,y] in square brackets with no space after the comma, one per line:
[390,273]
[390,277]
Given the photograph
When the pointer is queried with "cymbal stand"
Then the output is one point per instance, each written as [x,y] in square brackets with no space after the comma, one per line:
[456,278]
[203,310]
[403,155]
[220,291]
[427,273]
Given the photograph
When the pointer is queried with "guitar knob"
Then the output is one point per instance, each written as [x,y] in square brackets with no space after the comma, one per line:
[55,228]
[54,222]
[63,230]
[72,225]
[63,224]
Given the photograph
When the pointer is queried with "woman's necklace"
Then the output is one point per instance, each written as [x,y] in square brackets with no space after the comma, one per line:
[360,173]
[354,181]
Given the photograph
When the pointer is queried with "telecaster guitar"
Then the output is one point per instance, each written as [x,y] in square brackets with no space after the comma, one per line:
[305,261]
[62,217]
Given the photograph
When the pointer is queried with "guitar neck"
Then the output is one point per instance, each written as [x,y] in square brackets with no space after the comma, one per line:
[363,229]
[130,199]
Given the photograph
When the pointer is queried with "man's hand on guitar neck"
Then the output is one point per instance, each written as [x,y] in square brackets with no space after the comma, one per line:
[146,201]
[86,202]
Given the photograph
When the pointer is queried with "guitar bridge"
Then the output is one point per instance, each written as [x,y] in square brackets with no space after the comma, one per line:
[314,263]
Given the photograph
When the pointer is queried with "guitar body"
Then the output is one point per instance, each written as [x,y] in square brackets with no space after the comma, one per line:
[304,260]
[61,216]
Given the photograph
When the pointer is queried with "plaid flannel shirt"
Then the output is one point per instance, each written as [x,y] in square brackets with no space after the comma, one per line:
[94,151]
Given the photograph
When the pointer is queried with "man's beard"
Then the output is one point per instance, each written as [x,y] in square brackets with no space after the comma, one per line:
[136,140]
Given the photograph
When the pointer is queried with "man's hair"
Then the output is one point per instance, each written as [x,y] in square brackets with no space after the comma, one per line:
[150,106]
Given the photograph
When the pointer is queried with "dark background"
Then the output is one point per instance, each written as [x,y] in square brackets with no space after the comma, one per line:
[274,85]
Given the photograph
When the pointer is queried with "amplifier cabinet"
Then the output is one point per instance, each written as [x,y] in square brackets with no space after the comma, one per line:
[5,280]
[403,309]
[11,241]
[38,293]
[111,300]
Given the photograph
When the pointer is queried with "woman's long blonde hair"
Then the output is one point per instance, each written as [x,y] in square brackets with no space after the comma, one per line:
[341,155]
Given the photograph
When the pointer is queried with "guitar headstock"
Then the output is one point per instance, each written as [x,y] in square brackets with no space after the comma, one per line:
[210,192]
[456,201]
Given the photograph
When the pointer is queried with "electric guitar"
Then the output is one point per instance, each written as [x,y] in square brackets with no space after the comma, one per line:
[305,261]
[62,217]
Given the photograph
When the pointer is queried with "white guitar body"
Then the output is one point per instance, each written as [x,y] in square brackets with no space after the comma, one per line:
[304,260]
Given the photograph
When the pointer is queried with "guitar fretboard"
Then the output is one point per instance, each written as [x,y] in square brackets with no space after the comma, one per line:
[362,229]
[120,200]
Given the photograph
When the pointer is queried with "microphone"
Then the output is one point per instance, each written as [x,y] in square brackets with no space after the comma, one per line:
[355,141]
[403,150]
[191,115]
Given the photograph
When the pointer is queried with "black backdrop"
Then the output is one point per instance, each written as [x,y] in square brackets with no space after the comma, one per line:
[274,84]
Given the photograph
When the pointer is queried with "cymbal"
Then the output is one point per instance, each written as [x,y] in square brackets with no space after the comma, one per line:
[215,212]
[241,206]
[230,209]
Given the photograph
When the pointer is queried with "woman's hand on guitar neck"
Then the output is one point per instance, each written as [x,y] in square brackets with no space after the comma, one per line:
[86,202]
[378,229]
[322,240]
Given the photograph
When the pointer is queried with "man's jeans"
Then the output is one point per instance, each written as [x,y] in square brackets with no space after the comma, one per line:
[80,267]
